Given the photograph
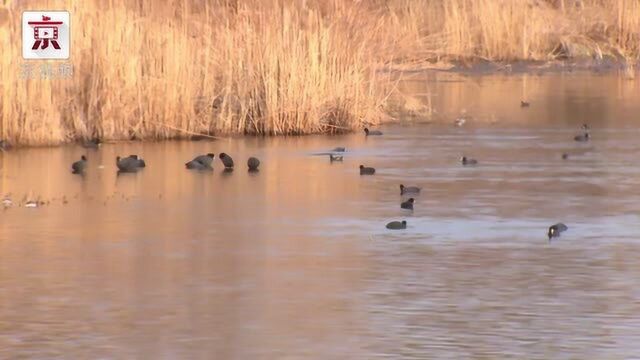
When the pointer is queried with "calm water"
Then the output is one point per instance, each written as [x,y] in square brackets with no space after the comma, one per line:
[294,262]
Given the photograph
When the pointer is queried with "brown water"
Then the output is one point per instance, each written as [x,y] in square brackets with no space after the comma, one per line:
[294,261]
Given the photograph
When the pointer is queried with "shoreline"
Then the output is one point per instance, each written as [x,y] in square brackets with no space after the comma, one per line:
[463,68]
[486,68]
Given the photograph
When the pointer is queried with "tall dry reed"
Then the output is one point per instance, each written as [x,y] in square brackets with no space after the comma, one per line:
[147,70]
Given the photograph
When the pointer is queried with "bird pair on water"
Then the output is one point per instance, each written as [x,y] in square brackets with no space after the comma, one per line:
[204,162]
[365,170]
[553,232]
[130,163]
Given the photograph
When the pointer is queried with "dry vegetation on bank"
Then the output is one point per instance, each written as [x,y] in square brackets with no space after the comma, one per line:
[153,70]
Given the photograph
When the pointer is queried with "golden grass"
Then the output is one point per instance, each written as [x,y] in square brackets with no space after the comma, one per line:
[155,70]
[144,69]
[510,30]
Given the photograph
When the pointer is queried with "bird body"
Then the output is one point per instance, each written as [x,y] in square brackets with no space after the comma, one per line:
[466,161]
[556,230]
[196,165]
[409,189]
[79,166]
[582,138]
[253,164]
[205,159]
[227,161]
[130,163]
[397,225]
[368,132]
[201,162]
[367,170]
[408,205]
[138,161]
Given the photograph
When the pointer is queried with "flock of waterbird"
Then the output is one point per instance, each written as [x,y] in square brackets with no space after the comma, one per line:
[134,163]
[554,231]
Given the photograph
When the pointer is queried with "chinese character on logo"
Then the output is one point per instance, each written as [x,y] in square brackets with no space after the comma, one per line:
[45,35]
[45,31]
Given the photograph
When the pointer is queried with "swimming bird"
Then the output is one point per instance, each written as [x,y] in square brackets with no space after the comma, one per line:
[556,230]
[92,143]
[524,103]
[407,204]
[397,225]
[139,162]
[130,163]
[227,161]
[465,161]
[582,138]
[79,166]
[333,158]
[253,164]
[367,170]
[409,189]
[459,122]
[368,132]
[31,204]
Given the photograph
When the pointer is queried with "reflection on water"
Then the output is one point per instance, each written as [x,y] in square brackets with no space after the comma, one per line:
[294,261]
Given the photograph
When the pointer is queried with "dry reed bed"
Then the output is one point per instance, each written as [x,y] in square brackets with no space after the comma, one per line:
[151,70]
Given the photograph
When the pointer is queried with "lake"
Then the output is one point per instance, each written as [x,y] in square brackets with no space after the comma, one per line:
[295,261]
